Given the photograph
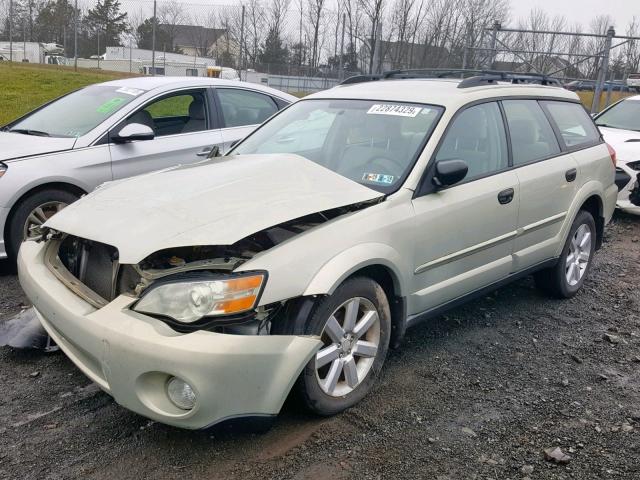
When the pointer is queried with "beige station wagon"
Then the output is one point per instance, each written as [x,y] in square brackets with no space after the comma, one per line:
[207,292]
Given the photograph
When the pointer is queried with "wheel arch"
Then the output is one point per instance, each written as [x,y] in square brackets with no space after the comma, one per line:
[54,185]
[595,206]
[379,262]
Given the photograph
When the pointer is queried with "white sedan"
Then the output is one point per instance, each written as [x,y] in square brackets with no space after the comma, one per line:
[620,126]
[109,131]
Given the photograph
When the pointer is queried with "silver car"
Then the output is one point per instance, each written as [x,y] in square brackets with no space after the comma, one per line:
[64,149]
[207,292]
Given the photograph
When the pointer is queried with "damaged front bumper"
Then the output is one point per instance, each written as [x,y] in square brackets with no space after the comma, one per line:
[132,356]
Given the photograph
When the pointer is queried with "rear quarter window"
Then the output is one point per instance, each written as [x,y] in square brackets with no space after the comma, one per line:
[574,124]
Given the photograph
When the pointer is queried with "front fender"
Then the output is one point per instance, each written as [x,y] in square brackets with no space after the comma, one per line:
[336,270]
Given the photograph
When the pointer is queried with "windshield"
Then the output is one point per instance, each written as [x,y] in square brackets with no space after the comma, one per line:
[625,115]
[77,113]
[374,143]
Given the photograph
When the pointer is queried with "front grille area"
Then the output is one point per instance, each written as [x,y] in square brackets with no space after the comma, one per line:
[93,264]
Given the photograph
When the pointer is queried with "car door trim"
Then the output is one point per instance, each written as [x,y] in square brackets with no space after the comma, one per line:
[452,257]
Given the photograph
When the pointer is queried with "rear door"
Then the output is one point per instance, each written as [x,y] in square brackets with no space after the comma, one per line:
[185,132]
[548,181]
[240,112]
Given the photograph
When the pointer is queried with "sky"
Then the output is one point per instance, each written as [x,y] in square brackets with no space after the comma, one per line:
[582,11]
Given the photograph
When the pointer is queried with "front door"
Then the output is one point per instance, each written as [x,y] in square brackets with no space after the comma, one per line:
[465,233]
[183,129]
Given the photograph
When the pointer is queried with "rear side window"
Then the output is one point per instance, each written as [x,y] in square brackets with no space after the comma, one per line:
[532,137]
[477,136]
[244,107]
[573,122]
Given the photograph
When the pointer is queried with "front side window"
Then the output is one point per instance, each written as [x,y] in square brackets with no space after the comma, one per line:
[477,136]
[78,113]
[575,125]
[624,115]
[374,143]
[244,107]
[532,137]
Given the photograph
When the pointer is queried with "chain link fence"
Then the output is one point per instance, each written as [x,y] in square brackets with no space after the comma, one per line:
[302,46]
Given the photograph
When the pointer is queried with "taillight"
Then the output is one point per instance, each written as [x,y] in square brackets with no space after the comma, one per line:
[612,154]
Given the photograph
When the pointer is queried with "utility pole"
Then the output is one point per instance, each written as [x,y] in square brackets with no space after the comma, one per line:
[604,70]
[11,30]
[341,67]
[75,35]
[241,61]
[494,40]
[153,40]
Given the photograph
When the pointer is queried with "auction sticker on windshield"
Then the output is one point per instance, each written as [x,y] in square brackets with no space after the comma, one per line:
[130,91]
[397,110]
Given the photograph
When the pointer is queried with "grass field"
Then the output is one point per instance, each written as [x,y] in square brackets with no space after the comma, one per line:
[24,87]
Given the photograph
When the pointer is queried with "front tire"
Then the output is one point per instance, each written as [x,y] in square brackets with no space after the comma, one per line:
[33,211]
[568,275]
[354,324]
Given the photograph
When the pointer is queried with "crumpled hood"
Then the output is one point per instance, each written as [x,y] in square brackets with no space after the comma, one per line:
[17,145]
[217,202]
[626,151]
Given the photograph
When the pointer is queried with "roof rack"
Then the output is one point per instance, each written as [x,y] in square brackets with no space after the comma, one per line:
[477,78]
[492,77]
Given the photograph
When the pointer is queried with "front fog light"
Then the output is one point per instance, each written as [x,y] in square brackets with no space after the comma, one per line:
[181,393]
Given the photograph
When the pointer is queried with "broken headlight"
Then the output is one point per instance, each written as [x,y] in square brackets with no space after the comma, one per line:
[188,299]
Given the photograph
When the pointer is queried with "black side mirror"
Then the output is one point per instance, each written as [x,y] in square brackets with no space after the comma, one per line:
[450,172]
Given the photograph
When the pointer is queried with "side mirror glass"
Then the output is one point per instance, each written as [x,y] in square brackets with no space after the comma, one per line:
[450,172]
[133,131]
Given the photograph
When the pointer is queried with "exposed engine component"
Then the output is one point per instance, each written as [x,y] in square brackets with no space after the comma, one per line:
[634,196]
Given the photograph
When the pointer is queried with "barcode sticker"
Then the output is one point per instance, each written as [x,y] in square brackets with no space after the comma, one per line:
[397,110]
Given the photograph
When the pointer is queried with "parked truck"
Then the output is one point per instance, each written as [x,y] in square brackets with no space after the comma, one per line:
[33,52]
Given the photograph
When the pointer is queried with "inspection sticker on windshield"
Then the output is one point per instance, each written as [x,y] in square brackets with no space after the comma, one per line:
[130,91]
[397,110]
[378,178]
[110,105]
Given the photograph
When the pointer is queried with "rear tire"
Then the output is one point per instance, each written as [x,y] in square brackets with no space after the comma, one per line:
[345,369]
[49,198]
[567,277]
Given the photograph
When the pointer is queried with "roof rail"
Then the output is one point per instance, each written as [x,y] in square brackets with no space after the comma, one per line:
[492,77]
[478,78]
[361,78]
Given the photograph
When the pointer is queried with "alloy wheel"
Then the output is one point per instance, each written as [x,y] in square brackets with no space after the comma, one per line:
[39,216]
[579,254]
[351,338]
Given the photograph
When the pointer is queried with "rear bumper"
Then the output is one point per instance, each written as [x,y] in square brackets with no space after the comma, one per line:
[4,215]
[131,356]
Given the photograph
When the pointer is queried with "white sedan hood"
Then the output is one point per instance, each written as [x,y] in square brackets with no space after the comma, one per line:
[17,145]
[625,142]
[217,202]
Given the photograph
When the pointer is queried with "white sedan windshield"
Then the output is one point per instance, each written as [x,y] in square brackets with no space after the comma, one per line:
[76,113]
[374,143]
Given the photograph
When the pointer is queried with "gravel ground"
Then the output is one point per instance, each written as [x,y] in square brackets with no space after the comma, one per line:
[476,394]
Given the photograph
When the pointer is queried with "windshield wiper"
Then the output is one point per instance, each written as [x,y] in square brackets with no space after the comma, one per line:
[26,131]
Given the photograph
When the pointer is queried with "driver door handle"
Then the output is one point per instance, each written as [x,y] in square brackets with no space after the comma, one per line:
[204,152]
[505,196]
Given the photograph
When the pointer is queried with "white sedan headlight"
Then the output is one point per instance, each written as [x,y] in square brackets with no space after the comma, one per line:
[189,300]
